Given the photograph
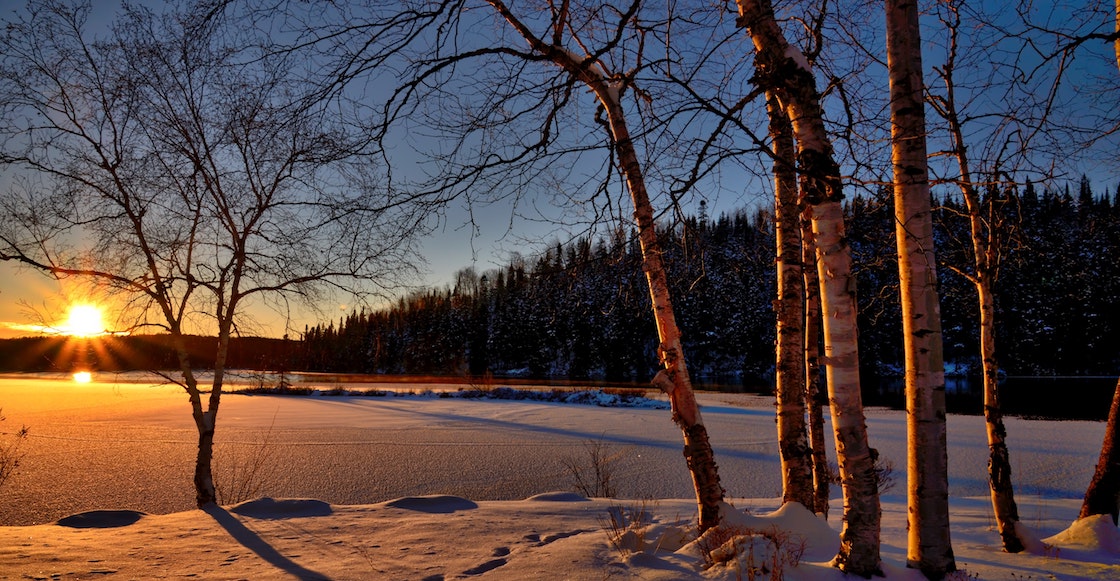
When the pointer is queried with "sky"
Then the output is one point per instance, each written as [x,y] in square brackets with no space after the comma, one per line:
[29,300]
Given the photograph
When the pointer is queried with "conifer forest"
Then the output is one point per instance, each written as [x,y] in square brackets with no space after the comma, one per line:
[580,310]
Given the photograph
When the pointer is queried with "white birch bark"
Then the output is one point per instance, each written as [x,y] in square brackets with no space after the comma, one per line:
[783,69]
[928,543]
[986,253]
[673,378]
[816,398]
[793,443]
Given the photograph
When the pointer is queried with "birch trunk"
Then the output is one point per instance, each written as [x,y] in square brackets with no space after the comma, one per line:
[816,398]
[928,544]
[205,492]
[783,69]
[793,444]
[1103,494]
[986,256]
[205,420]
[686,413]
[999,459]
[673,378]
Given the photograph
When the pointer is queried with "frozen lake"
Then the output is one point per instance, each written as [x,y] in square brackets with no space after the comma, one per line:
[128,445]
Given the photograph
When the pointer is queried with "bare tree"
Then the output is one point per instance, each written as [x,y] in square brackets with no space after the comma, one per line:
[783,69]
[1103,493]
[607,86]
[188,173]
[987,227]
[927,475]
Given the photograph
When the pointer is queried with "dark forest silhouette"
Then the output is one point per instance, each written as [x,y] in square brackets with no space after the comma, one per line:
[578,311]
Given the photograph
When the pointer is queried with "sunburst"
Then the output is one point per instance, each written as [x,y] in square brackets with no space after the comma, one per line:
[83,321]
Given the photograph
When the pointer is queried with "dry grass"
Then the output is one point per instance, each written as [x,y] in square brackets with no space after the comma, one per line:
[10,453]
[592,474]
[754,554]
[626,527]
[244,469]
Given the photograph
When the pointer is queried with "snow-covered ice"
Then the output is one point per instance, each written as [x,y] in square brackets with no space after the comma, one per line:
[431,488]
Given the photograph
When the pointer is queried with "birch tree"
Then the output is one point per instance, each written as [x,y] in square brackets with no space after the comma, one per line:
[783,69]
[927,474]
[1103,494]
[189,176]
[793,444]
[987,229]
[816,398]
[608,87]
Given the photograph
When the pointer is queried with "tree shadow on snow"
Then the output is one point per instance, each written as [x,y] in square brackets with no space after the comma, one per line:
[515,426]
[101,519]
[252,541]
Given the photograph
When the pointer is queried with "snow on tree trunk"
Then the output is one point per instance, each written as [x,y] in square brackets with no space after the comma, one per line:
[928,547]
[816,397]
[783,69]
[793,444]
[1103,494]
[673,378]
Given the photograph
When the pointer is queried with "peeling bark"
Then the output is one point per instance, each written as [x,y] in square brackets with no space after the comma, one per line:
[782,69]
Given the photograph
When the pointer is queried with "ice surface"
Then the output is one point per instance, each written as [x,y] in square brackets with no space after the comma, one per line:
[442,489]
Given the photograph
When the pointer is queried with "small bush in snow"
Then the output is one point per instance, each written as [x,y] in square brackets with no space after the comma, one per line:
[10,453]
[592,474]
[753,554]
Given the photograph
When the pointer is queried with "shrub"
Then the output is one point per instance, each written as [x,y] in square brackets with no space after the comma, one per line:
[10,453]
[592,474]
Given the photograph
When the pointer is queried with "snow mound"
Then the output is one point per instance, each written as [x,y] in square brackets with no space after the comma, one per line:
[101,519]
[1093,533]
[435,504]
[559,497]
[796,521]
[268,508]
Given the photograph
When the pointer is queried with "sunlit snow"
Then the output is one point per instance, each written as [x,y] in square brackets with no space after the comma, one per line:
[445,488]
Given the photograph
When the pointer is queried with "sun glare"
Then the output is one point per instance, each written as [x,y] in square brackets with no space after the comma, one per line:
[84,321]
[83,377]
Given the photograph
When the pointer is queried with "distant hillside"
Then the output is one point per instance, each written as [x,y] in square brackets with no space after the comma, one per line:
[138,352]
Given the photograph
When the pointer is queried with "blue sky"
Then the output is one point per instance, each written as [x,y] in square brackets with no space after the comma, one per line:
[28,298]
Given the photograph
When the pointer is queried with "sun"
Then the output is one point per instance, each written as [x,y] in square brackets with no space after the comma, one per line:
[84,321]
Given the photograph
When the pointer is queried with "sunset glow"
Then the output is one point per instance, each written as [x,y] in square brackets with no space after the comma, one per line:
[82,377]
[83,321]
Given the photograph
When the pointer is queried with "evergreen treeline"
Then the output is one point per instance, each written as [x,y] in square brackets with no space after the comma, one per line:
[581,311]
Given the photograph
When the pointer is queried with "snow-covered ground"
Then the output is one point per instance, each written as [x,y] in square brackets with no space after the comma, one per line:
[443,488]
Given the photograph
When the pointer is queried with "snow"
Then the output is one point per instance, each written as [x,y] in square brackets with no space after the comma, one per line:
[793,53]
[449,488]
